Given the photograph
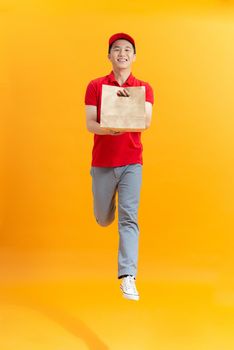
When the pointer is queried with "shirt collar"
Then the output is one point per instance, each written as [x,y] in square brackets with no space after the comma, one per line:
[129,80]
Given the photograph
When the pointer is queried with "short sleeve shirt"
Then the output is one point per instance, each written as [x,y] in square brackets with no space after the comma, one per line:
[120,150]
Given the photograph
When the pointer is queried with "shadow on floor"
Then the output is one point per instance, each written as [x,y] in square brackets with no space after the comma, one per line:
[71,323]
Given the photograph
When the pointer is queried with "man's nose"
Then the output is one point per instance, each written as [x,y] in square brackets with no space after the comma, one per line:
[121,51]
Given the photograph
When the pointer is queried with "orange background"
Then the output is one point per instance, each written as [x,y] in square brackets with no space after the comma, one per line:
[52,254]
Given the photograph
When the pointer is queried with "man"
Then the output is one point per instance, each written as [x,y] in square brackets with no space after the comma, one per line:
[117,160]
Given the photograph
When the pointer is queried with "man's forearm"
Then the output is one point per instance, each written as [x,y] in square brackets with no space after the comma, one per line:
[95,128]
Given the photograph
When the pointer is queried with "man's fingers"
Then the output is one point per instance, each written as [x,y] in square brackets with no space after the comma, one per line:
[120,93]
[123,93]
[115,133]
[126,92]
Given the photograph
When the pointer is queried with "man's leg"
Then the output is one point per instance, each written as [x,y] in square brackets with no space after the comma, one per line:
[128,202]
[104,187]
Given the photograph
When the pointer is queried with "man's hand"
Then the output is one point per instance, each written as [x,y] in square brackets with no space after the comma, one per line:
[123,93]
[115,133]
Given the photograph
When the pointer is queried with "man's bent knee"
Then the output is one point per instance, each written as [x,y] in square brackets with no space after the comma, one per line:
[104,223]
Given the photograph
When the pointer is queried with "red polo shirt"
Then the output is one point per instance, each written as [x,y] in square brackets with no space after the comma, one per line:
[108,150]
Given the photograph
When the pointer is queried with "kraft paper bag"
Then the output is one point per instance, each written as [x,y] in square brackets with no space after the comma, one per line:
[122,113]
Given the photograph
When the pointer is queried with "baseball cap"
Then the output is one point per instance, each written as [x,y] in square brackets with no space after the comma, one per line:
[124,36]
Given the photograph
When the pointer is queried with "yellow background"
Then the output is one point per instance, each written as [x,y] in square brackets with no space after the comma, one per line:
[58,269]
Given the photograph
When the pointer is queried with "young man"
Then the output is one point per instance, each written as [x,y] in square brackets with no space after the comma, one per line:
[117,160]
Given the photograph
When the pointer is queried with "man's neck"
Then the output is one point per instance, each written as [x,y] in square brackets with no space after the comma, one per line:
[121,75]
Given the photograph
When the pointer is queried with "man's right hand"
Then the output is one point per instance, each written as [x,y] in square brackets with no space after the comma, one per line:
[115,133]
[123,93]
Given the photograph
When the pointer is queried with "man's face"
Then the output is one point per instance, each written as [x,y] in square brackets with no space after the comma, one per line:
[122,54]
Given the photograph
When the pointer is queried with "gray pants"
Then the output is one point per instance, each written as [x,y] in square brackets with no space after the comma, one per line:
[127,181]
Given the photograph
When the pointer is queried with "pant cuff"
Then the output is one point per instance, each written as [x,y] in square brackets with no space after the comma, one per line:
[126,272]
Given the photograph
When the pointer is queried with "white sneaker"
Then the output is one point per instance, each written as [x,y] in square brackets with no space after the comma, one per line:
[128,288]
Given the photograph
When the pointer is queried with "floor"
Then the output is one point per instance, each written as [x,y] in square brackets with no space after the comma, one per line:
[53,306]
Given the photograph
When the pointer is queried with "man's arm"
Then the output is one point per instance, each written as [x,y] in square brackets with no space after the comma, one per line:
[148,110]
[92,124]
[91,121]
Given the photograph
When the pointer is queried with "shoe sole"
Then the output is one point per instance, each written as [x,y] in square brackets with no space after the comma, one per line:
[130,296]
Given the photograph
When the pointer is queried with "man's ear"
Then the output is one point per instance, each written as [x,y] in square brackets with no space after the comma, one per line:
[134,58]
[108,56]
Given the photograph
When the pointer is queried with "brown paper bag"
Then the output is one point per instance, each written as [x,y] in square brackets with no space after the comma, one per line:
[123,113]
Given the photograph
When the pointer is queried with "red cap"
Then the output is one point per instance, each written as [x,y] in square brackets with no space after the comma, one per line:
[124,36]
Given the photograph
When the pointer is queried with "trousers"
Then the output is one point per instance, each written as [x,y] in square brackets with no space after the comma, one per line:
[127,181]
